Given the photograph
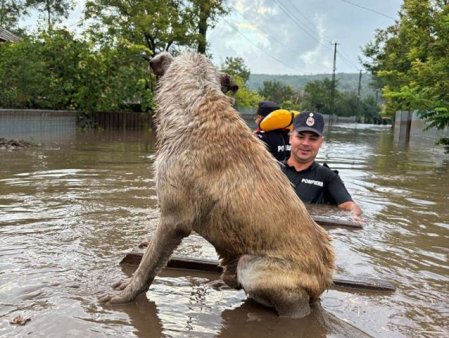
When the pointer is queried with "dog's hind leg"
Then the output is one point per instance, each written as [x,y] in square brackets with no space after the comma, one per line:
[270,282]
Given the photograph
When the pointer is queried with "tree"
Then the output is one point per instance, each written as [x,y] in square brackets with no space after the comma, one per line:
[113,79]
[235,66]
[60,53]
[10,12]
[370,109]
[245,98]
[58,71]
[160,25]
[411,62]
[53,9]
[347,105]
[21,74]
[157,24]
[317,96]
[207,12]
[277,92]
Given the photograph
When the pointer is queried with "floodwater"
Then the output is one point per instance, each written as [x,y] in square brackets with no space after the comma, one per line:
[69,213]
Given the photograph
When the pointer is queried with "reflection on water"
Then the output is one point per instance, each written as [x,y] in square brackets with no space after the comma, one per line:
[69,213]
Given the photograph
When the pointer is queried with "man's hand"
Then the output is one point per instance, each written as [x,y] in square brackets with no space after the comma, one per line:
[355,210]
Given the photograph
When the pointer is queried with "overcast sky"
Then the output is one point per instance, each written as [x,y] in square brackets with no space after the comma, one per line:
[294,36]
[297,36]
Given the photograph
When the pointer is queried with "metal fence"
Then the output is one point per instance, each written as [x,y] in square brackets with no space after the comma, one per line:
[48,126]
[37,125]
[55,125]
[121,120]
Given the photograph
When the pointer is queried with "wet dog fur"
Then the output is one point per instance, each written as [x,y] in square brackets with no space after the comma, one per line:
[214,177]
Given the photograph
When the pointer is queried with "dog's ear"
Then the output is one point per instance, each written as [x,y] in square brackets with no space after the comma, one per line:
[160,63]
[228,84]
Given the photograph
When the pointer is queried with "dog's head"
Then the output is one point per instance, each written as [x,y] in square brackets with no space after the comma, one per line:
[161,62]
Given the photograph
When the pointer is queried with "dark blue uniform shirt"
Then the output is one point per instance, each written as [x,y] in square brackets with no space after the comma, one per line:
[278,142]
[317,184]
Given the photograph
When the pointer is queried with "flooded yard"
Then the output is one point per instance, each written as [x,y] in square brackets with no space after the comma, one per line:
[71,210]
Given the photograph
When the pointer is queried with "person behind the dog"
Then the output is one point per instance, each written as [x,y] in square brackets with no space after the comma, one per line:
[277,140]
[315,183]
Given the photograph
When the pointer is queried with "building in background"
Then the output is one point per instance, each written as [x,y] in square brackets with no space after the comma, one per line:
[6,35]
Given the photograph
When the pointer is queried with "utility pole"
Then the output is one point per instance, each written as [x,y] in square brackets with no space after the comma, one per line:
[358,97]
[333,80]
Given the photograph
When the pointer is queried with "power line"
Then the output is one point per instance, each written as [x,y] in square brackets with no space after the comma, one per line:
[249,40]
[304,29]
[284,9]
[347,60]
[306,18]
[273,38]
[368,9]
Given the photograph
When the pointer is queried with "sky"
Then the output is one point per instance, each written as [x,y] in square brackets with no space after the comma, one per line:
[298,36]
[294,36]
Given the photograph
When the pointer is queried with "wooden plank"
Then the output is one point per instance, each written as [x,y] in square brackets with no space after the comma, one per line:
[365,283]
[328,221]
[134,257]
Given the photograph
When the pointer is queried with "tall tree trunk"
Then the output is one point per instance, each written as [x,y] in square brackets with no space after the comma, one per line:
[202,26]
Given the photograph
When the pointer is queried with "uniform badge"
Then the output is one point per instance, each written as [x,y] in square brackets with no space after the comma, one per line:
[310,120]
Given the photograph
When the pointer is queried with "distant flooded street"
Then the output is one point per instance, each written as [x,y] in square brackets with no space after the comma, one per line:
[71,210]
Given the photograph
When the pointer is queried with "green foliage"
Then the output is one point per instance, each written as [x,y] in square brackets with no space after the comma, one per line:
[58,71]
[60,55]
[317,96]
[345,81]
[158,24]
[291,105]
[411,62]
[444,141]
[235,66]
[369,109]
[53,9]
[278,92]
[10,12]
[347,104]
[207,13]
[245,98]
[114,79]
[21,74]
[107,70]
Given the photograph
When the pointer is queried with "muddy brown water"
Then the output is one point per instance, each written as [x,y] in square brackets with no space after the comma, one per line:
[70,211]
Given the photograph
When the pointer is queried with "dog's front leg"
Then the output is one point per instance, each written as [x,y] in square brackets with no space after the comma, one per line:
[169,235]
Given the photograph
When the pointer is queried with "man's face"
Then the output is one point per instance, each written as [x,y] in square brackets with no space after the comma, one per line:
[305,146]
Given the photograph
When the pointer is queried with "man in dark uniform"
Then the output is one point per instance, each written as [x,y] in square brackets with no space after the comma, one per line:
[315,183]
[276,140]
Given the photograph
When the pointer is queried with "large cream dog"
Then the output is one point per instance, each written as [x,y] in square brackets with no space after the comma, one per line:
[214,177]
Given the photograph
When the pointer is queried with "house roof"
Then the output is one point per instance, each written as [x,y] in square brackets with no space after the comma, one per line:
[6,35]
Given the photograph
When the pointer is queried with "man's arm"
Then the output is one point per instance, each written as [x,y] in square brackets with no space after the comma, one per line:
[355,210]
[344,200]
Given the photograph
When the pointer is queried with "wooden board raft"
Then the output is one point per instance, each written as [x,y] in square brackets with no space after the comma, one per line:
[333,222]
[134,257]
